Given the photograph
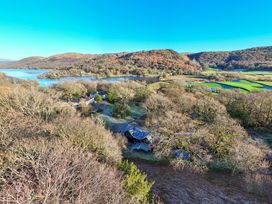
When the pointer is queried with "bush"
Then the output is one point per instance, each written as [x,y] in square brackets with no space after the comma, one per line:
[121,109]
[90,86]
[71,90]
[141,94]
[85,108]
[157,103]
[207,109]
[253,110]
[89,136]
[32,103]
[247,157]
[59,173]
[243,157]
[122,91]
[103,86]
[136,184]
[113,97]
[98,98]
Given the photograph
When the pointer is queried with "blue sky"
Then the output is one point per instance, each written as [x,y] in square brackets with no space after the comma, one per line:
[46,27]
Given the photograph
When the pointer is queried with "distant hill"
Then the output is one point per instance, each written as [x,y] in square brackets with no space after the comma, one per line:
[5,61]
[259,58]
[53,62]
[153,59]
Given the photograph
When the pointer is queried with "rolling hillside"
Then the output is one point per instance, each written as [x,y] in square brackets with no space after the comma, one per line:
[153,59]
[259,58]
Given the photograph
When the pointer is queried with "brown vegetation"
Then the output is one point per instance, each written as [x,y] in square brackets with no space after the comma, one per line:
[136,63]
[199,124]
[49,154]
[253,109]
[58,173]
[250,59]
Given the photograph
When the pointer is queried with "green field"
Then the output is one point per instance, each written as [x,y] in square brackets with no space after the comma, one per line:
[244,85]
[268,83]
[212,85]
[257,73]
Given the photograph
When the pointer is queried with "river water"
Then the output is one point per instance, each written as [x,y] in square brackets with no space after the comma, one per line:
[32,74]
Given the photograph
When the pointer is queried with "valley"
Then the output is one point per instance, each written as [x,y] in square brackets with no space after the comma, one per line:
[202,135]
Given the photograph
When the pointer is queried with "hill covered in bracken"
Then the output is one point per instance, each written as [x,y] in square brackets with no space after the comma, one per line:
[153,59]
[164,60]
[259,58]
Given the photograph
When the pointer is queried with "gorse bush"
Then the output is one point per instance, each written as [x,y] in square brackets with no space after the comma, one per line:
[136,184]
[98,98]
[113,97]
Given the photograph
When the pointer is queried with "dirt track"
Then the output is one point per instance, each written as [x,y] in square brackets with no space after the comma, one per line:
[182,187]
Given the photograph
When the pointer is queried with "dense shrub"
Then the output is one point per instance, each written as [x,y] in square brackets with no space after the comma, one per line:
[207,109]
[141,94]
[174,90]
[89,136]
[120,109]
[157,103]
[196,122]
[113,97]
[124,91]
[136,184]
[49,154]
[253,110]
[31,102]
[85,108]
[71,90]
[247,157]
[59,173]
[90,86]
[99,98]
